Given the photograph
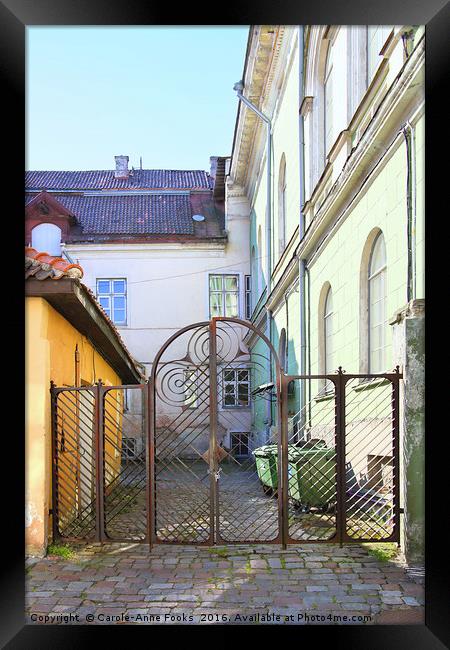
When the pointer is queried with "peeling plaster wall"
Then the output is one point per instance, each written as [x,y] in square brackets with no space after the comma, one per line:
[409,351]
[414,440]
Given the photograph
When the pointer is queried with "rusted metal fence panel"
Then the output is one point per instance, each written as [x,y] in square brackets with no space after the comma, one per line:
[99,462]
[342,459]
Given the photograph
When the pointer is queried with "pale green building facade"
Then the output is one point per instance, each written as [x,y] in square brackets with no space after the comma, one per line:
[344,274]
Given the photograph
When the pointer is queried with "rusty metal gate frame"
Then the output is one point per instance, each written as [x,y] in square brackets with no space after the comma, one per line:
[339,380]
[214,537]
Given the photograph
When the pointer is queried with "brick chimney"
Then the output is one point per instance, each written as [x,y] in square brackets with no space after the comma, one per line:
[122,170]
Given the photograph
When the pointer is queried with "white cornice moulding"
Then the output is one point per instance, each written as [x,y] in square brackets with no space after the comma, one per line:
[139,248]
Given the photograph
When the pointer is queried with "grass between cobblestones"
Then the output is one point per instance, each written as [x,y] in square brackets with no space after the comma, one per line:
[128,580]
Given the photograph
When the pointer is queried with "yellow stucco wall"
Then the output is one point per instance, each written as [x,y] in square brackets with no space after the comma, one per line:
[50,342]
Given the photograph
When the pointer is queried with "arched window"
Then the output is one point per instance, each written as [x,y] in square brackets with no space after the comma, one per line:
[254,272]
[328,338]
[259,264]
[282,206]
[325,334]
[377,295]
[328,101]
[328,332]
[357,45]
[46,238]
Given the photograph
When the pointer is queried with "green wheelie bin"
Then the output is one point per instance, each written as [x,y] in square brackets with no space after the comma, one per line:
[312,476]
[267,467]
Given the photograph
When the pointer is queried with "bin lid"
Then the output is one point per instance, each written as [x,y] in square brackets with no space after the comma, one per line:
[266,450]
[314,443]
[296,453]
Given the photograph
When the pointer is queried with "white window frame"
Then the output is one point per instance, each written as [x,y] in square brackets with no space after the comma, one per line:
[376,38]
[282,189]
[224,292]
[328,338]
[236,383]
[248,296]
[357,67]
[328,332]
[328,92]
[111,295]
[371,277]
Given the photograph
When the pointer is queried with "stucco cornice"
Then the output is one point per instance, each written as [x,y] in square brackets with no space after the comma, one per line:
[260,71]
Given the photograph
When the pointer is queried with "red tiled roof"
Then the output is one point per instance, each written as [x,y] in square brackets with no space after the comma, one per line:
[43,266]
[149,179]
[134,214]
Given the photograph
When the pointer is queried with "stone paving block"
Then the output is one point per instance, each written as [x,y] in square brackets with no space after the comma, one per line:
[392,600]
[361,607]
[189,579]
[79,586]
[410,600]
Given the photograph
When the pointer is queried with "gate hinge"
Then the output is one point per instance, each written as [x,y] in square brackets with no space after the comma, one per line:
[50,511]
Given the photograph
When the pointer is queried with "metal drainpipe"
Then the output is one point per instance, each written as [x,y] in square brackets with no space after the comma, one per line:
[408,133]
[239,87]
[302,262]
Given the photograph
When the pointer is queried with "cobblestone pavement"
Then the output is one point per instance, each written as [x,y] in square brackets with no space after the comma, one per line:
[312,584]
[183,508]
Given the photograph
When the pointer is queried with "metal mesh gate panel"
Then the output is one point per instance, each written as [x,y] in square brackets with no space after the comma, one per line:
[222,447]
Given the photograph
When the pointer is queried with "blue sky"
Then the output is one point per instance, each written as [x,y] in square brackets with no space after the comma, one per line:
[163,93]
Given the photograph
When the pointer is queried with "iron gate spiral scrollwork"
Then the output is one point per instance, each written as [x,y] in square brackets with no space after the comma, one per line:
[204,475]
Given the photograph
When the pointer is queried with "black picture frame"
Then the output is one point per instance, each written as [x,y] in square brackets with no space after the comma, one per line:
[15,16]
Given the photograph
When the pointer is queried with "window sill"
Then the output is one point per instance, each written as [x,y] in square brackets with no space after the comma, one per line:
[325,398]
[368,384]
[235,408]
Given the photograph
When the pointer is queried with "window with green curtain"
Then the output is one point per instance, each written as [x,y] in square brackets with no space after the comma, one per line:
[224,295]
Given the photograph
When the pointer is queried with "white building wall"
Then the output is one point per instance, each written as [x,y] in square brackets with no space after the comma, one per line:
[167,283]
[168,289]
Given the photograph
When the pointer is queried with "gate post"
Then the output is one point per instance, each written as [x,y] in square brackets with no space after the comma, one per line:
[341,478]
[396,451]
[54,432]
[284,457]
[150,460]
[99,463]
[213,508]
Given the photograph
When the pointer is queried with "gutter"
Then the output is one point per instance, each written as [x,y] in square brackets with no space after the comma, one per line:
[408,133]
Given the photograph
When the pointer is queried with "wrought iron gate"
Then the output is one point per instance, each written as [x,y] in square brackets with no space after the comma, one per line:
[217,449]
[201,391]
